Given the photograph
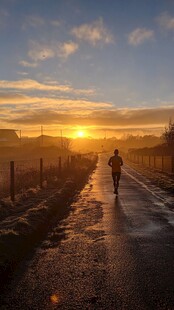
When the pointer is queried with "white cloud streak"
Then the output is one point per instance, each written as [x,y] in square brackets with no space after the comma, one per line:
[140,35]
[22,73]
[28,64]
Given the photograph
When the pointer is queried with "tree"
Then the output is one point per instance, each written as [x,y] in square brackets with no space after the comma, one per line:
[168,135]
[66,143]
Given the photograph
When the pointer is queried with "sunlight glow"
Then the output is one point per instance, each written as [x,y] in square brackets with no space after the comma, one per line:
[80,134]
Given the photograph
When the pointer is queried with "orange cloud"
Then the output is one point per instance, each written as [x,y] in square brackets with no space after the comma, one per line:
[28,84]
[118,118]
[62,104]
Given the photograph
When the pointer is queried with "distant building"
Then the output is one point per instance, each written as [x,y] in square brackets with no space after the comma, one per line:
[44,140]
[8,137]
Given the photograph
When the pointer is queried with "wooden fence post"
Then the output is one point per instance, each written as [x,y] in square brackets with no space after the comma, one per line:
[41,172]
[162,163]
[72,160]
[138,159]
[60,164]
[68,162]
[172,164]
[12,181]
[79,156]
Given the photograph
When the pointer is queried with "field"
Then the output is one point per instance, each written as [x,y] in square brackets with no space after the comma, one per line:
[29,216]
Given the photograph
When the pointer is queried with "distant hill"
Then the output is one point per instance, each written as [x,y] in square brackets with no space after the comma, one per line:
[107,145]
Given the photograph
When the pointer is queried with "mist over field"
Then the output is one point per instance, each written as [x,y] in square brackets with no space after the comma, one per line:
[47,146]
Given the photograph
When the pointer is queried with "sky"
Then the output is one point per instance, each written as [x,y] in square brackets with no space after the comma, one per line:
[102,67]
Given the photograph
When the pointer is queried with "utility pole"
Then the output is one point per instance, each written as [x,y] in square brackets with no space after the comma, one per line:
[61,139]
[20,137]
[41,135]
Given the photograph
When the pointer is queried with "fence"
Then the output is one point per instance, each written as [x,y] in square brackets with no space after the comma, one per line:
[163,163]
[17,176]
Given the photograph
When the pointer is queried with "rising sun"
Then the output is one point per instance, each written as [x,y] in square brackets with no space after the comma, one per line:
[80,134]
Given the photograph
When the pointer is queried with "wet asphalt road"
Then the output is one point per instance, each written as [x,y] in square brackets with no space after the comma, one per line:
[110,253]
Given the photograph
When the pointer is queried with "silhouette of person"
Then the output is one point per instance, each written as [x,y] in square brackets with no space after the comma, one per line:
[115,162]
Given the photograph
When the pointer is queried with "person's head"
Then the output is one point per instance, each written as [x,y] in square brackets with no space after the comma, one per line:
[116,151]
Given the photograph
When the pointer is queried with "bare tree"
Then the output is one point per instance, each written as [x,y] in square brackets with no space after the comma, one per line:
[67,143]
[168,134]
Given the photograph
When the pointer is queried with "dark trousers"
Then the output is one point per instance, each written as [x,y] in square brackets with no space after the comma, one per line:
[116,178]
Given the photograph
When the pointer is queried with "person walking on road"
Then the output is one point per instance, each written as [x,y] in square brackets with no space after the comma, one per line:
[115,162]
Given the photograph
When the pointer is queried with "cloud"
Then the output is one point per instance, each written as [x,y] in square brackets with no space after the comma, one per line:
[33,21]
[55,23]
[22,73]
[13,99]
[28,84]
[140,35]
[28,64]
[36,21]
[127,117]
[35,110]
[51,103]
[66,49]
[93,33]
[166,21]
[93,116]
[41,51]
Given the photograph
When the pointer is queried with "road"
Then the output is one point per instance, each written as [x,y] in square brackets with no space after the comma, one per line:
[109,253]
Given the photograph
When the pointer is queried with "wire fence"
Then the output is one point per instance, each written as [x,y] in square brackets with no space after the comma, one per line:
[163,163]
[4,179]
[18,176]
